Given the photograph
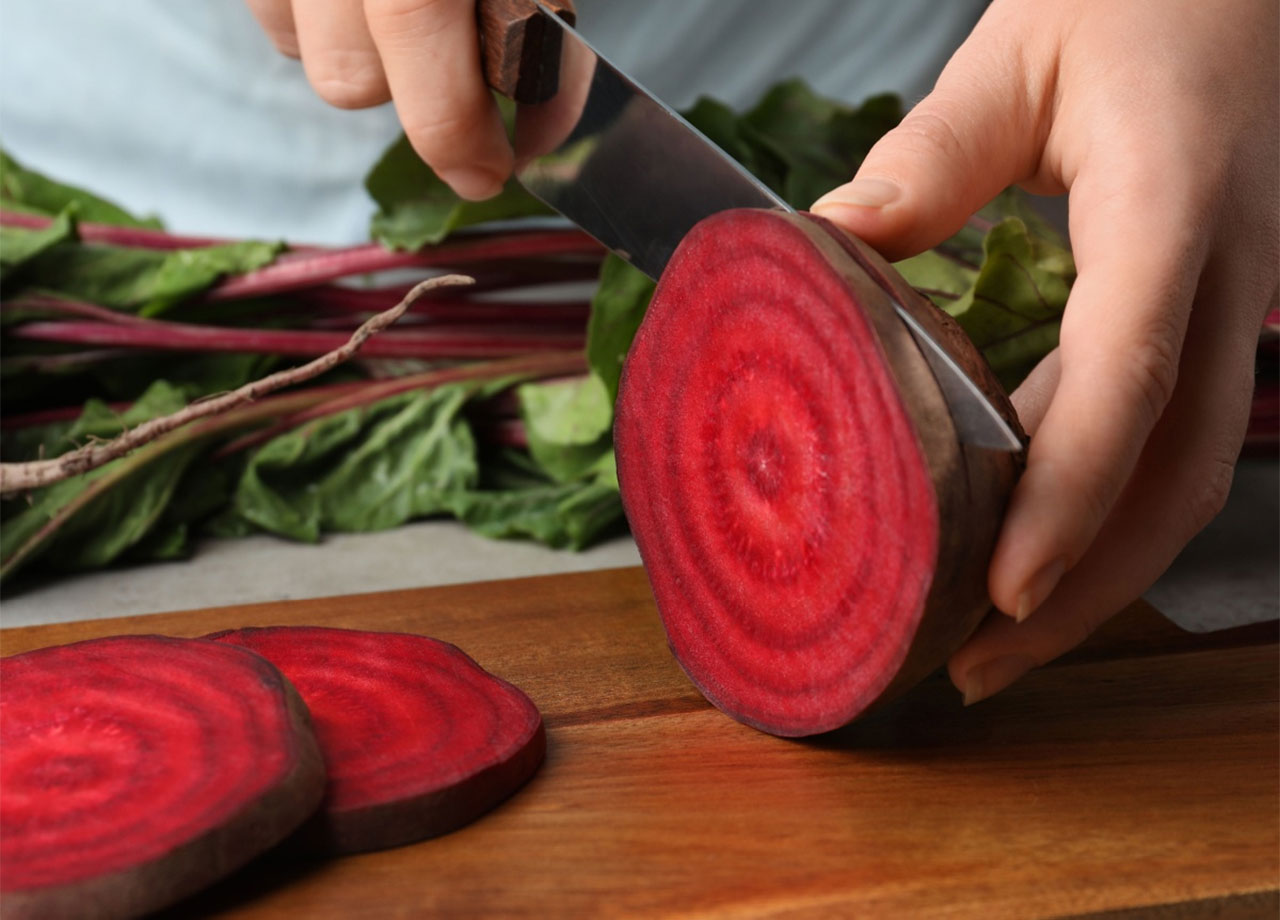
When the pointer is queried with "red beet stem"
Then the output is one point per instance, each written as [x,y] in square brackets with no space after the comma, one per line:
[295,271]
[444,310]
[521,273]
[49,416]
[68,307]
[446,343]
[526,367]
[61,362]
[111,235]
[504,432]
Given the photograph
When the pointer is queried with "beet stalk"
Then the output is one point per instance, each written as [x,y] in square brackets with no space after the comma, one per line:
[815,535]
[295,271]
[136,770]
[418,739]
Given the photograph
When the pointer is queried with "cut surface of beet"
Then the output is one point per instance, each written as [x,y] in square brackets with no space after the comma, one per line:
[135,770]
[418,738]
[789,469]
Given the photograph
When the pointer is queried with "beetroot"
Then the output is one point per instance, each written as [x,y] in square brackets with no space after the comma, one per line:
[815,535]
[137,769]
[418,738]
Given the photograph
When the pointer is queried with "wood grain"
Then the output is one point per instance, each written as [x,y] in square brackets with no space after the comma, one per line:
[1137,777]
[521,55]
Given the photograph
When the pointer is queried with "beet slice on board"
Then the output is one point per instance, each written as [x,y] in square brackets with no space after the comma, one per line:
[136,770]
[815,535]
[418,738]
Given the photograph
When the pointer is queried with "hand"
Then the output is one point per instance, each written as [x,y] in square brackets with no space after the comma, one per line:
[424,55]
[1159,118]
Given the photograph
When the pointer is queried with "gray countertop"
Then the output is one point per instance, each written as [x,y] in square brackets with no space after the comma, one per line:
[1229,575]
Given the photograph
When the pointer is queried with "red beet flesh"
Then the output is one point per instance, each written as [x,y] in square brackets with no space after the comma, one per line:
[791,476]
[418,738]
[138,769]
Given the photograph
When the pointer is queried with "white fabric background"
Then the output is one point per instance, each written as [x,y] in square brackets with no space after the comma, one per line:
[184,109]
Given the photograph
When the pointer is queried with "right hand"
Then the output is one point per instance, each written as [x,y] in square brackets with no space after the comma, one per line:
[422,54]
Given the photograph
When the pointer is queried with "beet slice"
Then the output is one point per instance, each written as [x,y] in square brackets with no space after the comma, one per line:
[136,770]
[815,535]
[418,738]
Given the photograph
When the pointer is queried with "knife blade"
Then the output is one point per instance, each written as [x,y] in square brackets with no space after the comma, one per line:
[598,148]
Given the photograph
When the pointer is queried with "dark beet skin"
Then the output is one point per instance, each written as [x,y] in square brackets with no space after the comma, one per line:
[418,739]
[136,770]
[815,535]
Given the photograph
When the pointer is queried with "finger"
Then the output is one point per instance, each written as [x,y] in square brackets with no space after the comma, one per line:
[338,53]
[1139,251]
[430,51]
[276,19]
[975,134]
[1178,486]
[1032,397]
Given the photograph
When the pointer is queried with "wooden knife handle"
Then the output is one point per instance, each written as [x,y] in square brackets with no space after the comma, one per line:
[521,55]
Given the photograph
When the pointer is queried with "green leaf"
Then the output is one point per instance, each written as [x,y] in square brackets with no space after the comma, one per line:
[942,278]
[368,468]
[568,423]
[820,143]
[144,280]
[107,525]
[227,524]
[19,245]
[91,520]
[616,311]
[416,208]
[196,375]
[605,470]
[569,515]
[98,421]
[724,128]
[165,543]
[1013,309]
[22,189]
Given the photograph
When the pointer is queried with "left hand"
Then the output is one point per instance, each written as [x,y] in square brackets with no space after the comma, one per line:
[1159,118]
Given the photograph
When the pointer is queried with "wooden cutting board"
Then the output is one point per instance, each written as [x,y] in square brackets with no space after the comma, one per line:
[1137,777]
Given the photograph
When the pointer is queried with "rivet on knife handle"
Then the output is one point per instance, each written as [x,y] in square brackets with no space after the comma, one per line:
[521,53]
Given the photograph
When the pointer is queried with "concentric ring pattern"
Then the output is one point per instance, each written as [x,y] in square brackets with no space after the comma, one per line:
[115,751]
[773,480]
[396,715]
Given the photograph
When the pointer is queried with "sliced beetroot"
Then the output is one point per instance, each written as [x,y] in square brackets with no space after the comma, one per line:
[418,738]
[815,535]
[136,770]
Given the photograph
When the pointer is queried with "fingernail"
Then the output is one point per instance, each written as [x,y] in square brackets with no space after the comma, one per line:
[1038,588]
[985,680]
[472,183]
[860,193]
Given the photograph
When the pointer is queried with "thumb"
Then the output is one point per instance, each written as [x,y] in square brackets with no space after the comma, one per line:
[973,136]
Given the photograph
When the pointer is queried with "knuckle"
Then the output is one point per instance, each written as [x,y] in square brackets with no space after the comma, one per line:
[286,42]
[348,80]
[1095,499]
[1086,621]
[411,19]
[1153,368]
[1208,493]
[446,139]
[933,131]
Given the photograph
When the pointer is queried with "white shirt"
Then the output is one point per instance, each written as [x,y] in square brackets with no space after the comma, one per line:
[185,110]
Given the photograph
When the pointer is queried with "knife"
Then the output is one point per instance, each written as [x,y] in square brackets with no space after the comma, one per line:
[598,148]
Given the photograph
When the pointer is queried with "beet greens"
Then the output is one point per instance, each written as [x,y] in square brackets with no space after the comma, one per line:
[108,312]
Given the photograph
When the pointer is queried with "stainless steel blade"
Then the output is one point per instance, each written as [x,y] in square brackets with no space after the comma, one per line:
[620,164]
[631,172]
[977,421]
